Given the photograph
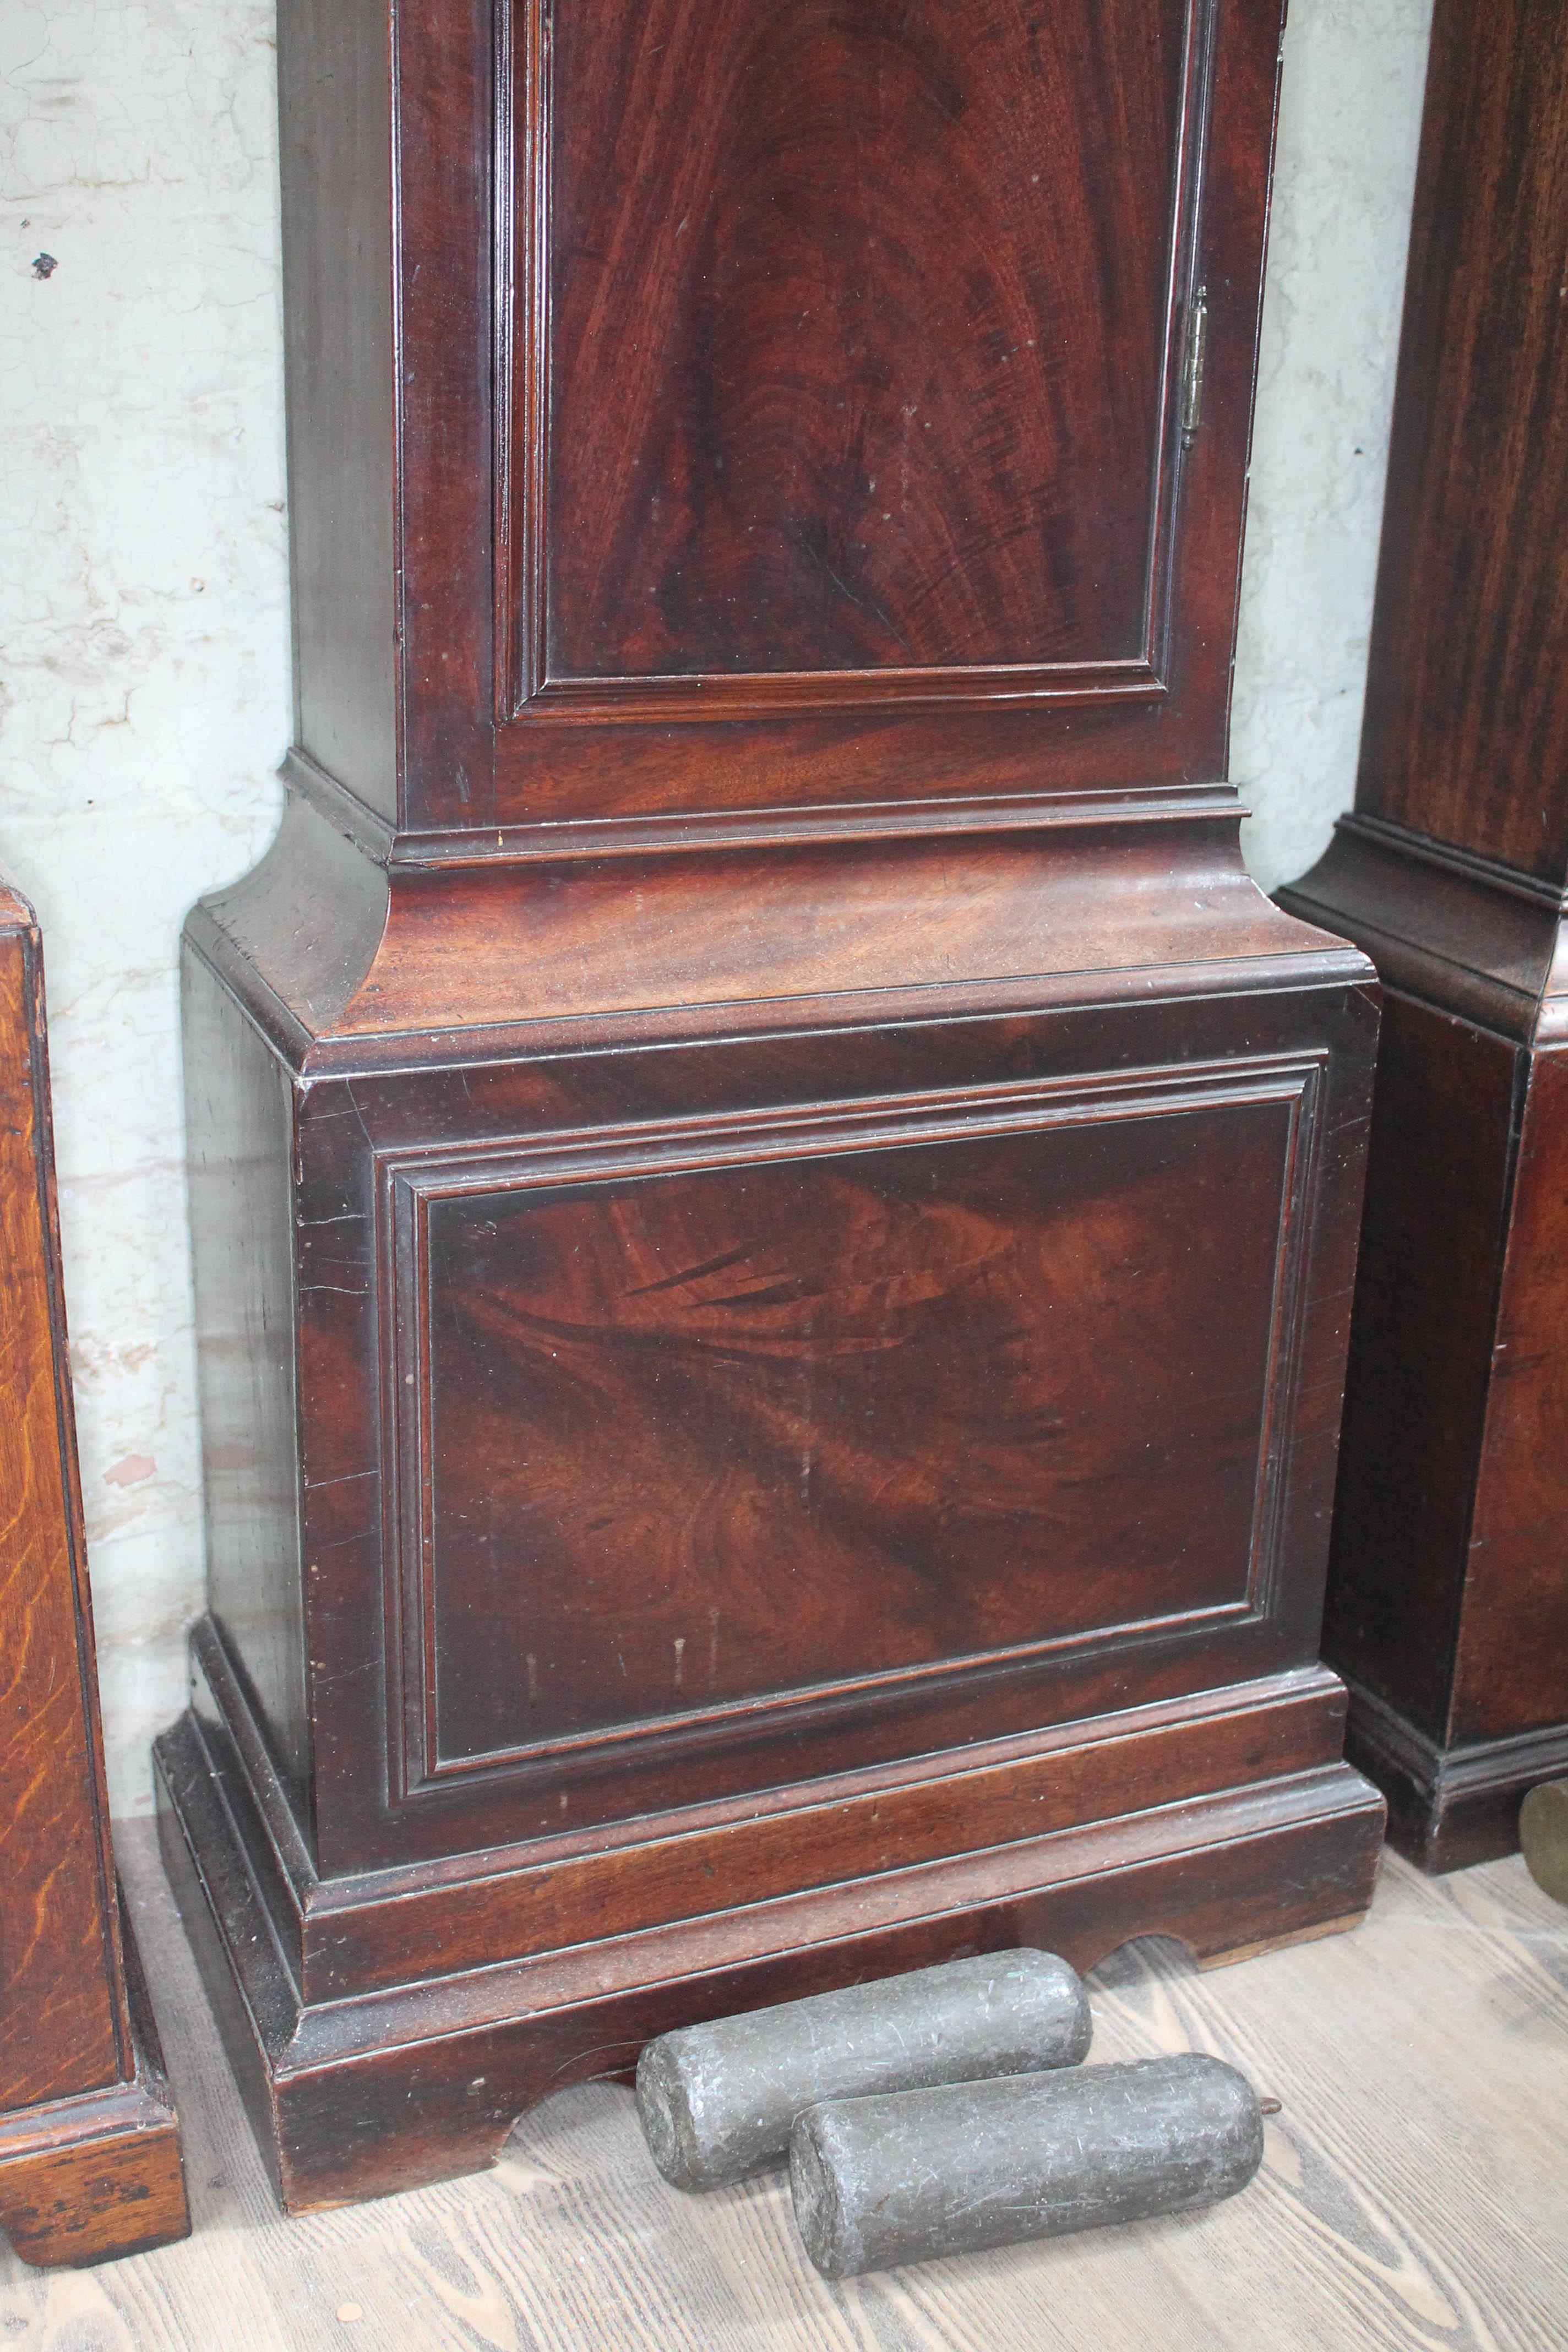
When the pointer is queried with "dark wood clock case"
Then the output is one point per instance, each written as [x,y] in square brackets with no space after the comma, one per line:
[773,1213]
[1448,1586]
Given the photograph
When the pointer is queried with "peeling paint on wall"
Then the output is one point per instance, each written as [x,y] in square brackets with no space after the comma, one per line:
[144,661]
[1350,121]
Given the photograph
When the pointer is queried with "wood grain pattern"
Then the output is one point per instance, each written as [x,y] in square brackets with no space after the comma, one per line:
[89,2153]
[1445,1596]
[96,2176]
[819,398]
[1410,2196]
[355,2096]
[1138,903]
[870,1412]
[772,1246]
[63,2025]
[339,1553]
[1422,1350]
[1466,715]
[819,475]
[1518,1566]
[525,335]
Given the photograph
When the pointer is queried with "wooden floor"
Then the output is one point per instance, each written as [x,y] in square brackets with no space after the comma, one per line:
[1415,2192]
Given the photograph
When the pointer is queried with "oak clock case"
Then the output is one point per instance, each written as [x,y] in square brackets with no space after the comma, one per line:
[772,1209]
[90,2142]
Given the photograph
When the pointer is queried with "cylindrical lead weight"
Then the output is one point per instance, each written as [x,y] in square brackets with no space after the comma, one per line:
[717,2101]
[1543,1837]
[904,2179]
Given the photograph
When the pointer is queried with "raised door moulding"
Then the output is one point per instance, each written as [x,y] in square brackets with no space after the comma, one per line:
[546,1301]
[933,375]
[646,568]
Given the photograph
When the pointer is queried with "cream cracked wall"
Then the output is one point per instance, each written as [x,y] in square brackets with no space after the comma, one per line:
[144,640]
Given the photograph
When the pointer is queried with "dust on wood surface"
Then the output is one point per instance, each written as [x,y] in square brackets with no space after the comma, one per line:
[1413,2191]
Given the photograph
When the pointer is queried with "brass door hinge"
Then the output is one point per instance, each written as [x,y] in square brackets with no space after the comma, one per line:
[1193,365]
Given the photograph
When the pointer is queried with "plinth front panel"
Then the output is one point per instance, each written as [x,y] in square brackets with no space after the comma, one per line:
[769,1416]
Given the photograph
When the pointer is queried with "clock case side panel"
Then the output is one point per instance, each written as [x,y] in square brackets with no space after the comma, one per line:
[341,379]
[1423,1334]
[239,1112]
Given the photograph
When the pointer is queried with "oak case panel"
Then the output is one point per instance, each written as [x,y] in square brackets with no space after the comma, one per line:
[89,2149]
[63,2024]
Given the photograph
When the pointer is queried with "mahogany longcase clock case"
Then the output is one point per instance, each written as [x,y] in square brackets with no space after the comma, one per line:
[774,1212]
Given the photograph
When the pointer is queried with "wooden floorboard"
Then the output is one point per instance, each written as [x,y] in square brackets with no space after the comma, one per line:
[1415,2191]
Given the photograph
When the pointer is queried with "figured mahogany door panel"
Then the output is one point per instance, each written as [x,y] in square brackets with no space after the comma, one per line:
[796,388]
[61,2018]
[839,366]
[700,1438]
[1510,1673]
[858,340]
